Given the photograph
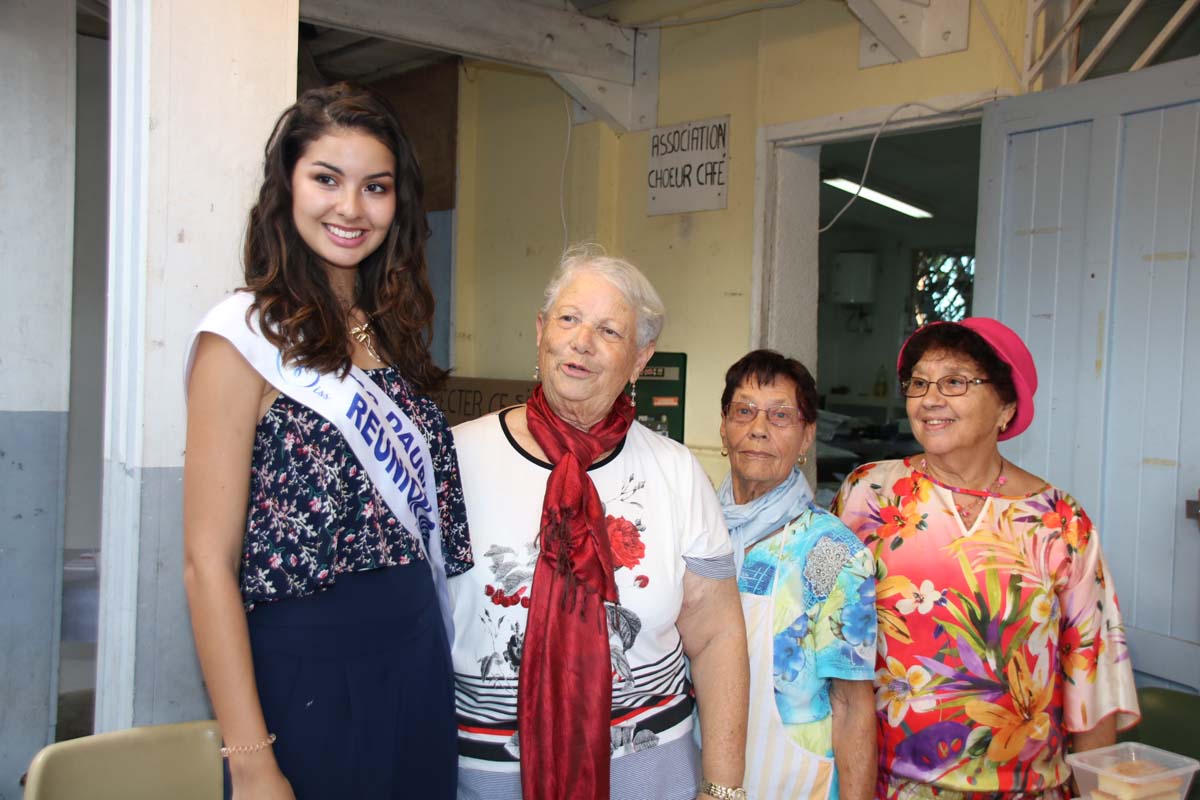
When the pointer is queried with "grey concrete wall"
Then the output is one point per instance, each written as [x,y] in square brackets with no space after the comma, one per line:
[33,448]
[167,682]
[37,65]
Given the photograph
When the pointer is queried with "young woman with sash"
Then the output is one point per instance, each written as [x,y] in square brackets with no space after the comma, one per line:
[322,504]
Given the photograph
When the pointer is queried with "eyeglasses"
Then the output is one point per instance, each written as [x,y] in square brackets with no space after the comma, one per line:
[780,416]
[949,386]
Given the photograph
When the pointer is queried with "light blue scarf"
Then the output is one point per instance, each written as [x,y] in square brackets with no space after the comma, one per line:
[749,524]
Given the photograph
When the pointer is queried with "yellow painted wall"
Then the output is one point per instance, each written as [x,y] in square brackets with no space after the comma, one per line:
[763,68]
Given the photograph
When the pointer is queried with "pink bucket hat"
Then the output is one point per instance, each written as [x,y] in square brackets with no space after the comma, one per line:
[1012,351]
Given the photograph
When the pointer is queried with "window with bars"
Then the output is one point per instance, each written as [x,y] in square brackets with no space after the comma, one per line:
[943,281]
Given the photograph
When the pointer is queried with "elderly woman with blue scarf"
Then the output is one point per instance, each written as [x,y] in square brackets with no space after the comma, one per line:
[808,594]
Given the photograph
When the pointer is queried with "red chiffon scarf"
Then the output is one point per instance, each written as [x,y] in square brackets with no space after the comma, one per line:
[564,696]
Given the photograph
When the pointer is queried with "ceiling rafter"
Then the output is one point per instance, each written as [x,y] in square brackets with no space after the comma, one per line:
[593,59]
[328,41]
[903,30]
[354,45]
[518,33]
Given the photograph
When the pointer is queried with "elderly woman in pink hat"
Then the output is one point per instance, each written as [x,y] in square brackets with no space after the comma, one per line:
[1000,641]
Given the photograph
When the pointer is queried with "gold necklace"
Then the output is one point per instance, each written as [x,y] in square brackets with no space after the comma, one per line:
[362,334]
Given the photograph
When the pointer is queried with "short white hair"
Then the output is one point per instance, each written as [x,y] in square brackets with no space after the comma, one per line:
[628,280]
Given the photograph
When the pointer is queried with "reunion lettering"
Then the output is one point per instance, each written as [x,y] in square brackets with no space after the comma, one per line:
[386,449]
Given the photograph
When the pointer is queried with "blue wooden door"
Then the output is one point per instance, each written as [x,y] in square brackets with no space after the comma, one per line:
[1087,246]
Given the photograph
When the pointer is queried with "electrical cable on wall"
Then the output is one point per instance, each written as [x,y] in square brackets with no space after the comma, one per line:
[987,17]
[875,139]
[562,178]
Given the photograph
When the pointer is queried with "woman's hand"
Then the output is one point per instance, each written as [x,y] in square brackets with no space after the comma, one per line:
[259,781]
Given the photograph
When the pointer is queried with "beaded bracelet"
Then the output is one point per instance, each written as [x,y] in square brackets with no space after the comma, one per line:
[245,749]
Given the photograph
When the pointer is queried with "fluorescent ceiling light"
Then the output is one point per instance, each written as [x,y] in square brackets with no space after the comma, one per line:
[878,197]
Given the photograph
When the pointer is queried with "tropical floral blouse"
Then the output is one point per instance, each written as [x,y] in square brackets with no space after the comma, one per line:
[313,513]
[995,643]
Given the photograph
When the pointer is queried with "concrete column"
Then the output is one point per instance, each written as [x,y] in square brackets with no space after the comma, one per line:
[37,60]
[195,90]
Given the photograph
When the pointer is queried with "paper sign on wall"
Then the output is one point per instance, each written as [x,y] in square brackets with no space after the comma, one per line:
[689,167]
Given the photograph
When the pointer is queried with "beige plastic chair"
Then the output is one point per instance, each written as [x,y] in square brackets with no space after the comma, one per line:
[180,762]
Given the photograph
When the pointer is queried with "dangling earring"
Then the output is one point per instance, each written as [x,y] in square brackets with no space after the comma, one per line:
[724,452]
[537,372]
[633,393]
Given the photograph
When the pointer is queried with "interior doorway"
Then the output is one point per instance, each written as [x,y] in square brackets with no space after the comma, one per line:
[85,429]
[788,281]
[884,269]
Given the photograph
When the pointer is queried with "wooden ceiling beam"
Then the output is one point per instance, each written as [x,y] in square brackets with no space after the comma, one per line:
[1170,29]
[1067,29]
[903,30]
[626,108]
[1106,41]
[900,38]
[332,41]
[519,33]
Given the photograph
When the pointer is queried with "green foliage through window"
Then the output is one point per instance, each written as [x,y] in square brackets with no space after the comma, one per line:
[943,285]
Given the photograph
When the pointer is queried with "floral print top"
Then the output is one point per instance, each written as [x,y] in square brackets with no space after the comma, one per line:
[313,512]
[808,595]
[663,520]
[995,643]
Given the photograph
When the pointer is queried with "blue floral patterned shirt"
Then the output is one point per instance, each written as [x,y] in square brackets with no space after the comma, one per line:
[809,598]
[313,512]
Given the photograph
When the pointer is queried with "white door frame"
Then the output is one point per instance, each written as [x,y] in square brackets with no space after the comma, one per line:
[783,304]
[125,374]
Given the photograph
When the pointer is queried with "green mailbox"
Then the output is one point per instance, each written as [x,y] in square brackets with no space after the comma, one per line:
[660,393]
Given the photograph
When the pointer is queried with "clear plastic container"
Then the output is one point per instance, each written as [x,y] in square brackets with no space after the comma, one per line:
[1132,771]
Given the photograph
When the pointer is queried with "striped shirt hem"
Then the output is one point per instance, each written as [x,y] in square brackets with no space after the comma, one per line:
[669,771]
[717,568]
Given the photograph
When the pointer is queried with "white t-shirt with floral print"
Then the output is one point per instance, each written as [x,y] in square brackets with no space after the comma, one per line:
[663,518]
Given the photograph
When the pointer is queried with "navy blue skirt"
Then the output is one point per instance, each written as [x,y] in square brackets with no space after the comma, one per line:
[356,682]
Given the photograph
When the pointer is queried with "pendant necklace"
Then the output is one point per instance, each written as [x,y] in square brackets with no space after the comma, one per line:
[362,334]
[971,508]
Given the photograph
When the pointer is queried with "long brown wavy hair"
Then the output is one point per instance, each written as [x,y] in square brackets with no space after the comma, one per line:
[300,313]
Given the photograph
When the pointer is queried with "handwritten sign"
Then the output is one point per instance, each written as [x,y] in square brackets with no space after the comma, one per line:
[689,167]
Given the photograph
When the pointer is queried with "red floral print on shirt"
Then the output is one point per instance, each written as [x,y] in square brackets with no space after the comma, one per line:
[628,549]
[994,646]
[1076,528]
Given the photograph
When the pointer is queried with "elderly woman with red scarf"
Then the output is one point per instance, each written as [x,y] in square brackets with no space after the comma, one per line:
[605,570]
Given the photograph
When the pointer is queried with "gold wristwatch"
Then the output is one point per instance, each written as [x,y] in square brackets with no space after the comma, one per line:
[720,792]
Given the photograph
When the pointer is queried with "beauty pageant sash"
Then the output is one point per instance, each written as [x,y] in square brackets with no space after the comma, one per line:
[391,449]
